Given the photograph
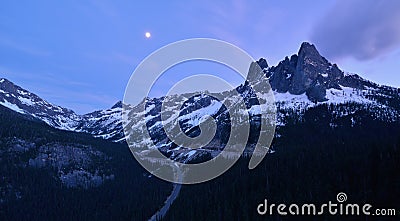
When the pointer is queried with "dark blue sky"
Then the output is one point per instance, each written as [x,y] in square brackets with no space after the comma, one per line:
[80,54]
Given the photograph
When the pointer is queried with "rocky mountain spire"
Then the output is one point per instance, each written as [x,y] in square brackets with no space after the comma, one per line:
[307,72]
[309,64]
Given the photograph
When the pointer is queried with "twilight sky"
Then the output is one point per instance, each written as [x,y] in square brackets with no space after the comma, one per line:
[80,54]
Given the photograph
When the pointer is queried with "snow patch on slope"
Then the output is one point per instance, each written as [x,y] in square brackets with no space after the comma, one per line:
[345,95]
[26,101]
[195,118]
[13,107]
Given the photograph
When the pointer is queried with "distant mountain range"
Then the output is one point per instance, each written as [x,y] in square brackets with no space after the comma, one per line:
[303,81]
[335,131]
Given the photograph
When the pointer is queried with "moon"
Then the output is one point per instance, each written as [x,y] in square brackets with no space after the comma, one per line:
[147,34]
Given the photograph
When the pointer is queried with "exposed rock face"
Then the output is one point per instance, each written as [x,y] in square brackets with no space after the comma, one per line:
[307,72]
[281,76]
[262,63]
[355,81]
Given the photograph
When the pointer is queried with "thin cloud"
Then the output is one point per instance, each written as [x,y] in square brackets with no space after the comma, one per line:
[112,57]
[27,49]
[362,29]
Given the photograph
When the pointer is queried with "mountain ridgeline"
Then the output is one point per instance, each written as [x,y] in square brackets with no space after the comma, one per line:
[304,80]
[310,73]
[335,132]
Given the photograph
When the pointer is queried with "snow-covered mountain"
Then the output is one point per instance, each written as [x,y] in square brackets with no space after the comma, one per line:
[304,81]
[26,102]
[103,123]
[307,80]
[99,123]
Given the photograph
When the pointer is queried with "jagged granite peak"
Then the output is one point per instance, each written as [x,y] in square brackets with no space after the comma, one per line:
[281,80]
[309,64]
[309,49]
[307,72]
[313,70]
[262,62]
[255,73]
